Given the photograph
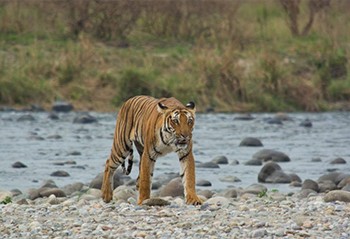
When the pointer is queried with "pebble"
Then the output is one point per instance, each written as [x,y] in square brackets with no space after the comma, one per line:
[287,216]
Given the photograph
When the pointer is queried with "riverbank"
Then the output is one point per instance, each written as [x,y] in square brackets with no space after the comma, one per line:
[249,216]
[227,57]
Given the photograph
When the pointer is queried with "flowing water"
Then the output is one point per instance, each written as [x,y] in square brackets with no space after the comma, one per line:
[41,143]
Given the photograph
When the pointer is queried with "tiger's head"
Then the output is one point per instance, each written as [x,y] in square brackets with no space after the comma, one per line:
[178,123]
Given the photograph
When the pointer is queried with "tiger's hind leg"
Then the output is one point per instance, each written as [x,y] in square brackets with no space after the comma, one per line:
[112,163]
[107,183]
[127,170]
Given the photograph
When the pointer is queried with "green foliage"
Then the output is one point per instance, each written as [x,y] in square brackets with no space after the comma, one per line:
[233,55]
[138,82]
[263,193]
[7,200]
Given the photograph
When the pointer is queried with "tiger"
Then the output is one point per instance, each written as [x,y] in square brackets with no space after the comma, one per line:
[155,127]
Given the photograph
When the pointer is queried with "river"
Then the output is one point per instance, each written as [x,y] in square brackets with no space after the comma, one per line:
[42,143]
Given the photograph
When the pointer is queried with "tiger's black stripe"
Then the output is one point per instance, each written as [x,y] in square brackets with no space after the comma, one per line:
[184,156]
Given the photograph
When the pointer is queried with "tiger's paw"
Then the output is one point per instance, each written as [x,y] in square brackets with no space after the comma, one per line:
[193,200]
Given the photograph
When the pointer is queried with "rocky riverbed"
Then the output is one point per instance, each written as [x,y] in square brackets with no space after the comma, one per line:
[272,215]
[261,175]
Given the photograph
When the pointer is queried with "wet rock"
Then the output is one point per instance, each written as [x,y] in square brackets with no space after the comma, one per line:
[208,165]
[97,181]
[234,162]
[344,181]
[124,193]
[230,179]
[74,153]
[53,116]
[217,201]
[46,192]
[33,194]
[310,184]
[62,106]
[27,117]
[271,155]
[244,117]
[165,178]
[49,184]
[346,187]
[22,201]
[203,183]
[174,189]
[54,136]
[206,193]
[60,173]
[253,162]
[337,195]
[155,202]
[271,172]
[220,160]
[273,121]
[294,177]
[335,177]
[255,188]
[304,193]
[338,161]
[316,160]
[326,186]
[16,192]
[229,193]
[306,123]
[156,185]
[295,184]
[251,142]
[72,188]
[85,119]
[19,164]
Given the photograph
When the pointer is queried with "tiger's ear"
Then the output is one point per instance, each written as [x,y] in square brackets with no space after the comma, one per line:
[190,105]
[161,107]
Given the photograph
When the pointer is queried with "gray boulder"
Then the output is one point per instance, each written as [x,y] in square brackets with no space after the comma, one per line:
[174,189]
[255,188]
[338,161]
[203,183]
[337,195]
[271,172]
[271,155]
[208,165]
[310,184]
[97,181]
[335,177]
[220,160]
[253,162]
[85,119]
[62,106]
[251,142]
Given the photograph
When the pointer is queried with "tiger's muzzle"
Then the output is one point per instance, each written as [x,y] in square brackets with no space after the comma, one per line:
[181,141]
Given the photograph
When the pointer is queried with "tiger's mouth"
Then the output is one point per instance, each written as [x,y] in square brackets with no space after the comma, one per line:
[181,144]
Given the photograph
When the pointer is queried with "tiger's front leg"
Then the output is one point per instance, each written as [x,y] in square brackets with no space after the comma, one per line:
[145,178]
[189,178]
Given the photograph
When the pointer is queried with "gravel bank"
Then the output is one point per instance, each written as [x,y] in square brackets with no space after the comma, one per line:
[249,216]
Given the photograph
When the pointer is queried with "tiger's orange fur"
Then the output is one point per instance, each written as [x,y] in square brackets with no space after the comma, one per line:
[156,127]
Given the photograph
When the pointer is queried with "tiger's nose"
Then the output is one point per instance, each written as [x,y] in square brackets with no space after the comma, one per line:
[183,139]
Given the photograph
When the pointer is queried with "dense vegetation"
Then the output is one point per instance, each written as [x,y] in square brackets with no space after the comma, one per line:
[273,55]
